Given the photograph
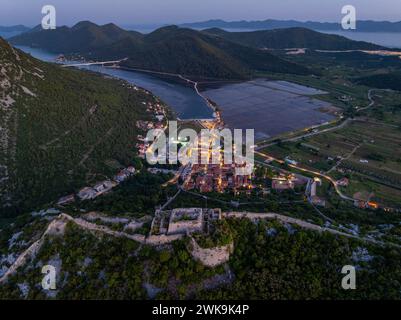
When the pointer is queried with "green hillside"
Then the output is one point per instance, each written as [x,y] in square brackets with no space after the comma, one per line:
[292,38]
[82,37]
[170,49]
[390,80]
[60,129]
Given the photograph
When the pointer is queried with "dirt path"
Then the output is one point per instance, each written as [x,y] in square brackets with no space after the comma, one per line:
[346,158]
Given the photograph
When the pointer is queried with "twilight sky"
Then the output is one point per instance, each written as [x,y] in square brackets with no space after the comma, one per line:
[136,12]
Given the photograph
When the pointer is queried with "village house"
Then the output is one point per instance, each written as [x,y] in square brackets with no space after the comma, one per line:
[282,183]
[344,182]
[131,170]
[361,204]
[122,175]
[215,177]
[318,201]
[373,205]
[163,171]
[99,187]
[288,160]
[104,186]
[87,193]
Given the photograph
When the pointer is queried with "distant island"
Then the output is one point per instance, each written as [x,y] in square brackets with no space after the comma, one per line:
[269,24]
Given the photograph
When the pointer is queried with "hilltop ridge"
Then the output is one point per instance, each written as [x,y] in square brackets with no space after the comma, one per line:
[168,49]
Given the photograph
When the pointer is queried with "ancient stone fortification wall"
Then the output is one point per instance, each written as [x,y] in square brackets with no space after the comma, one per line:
[162,239]
[56,227]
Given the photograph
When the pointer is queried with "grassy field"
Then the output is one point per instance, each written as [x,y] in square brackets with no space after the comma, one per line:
[379,193]
[371,155]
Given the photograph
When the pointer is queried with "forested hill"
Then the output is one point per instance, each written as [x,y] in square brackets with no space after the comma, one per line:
[269,24]
[60,129]
[169,49]
[390,80]
[82,37]
[17,28]
[292,38]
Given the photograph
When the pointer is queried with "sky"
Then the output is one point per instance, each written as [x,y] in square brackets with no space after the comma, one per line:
[158,12]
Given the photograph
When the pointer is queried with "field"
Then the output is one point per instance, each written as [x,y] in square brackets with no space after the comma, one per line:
[367,152]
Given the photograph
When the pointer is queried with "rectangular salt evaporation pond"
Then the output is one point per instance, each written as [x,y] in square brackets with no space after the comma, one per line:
[269,107]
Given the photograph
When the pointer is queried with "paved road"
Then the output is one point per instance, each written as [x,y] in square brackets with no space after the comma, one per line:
[316,173]
[370,97]
[94,63]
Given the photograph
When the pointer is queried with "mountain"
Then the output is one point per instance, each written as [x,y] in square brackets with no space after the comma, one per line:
[362,26]
[82,37]
[169,49]
[11,31]
[292,38]
[17,28]
[189,52]
[60,128]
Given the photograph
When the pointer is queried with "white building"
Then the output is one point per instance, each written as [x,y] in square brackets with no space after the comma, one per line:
[87,193]
[66,200]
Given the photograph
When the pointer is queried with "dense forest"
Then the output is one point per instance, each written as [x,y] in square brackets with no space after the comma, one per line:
[292,38]
[391,80]
[67,129]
